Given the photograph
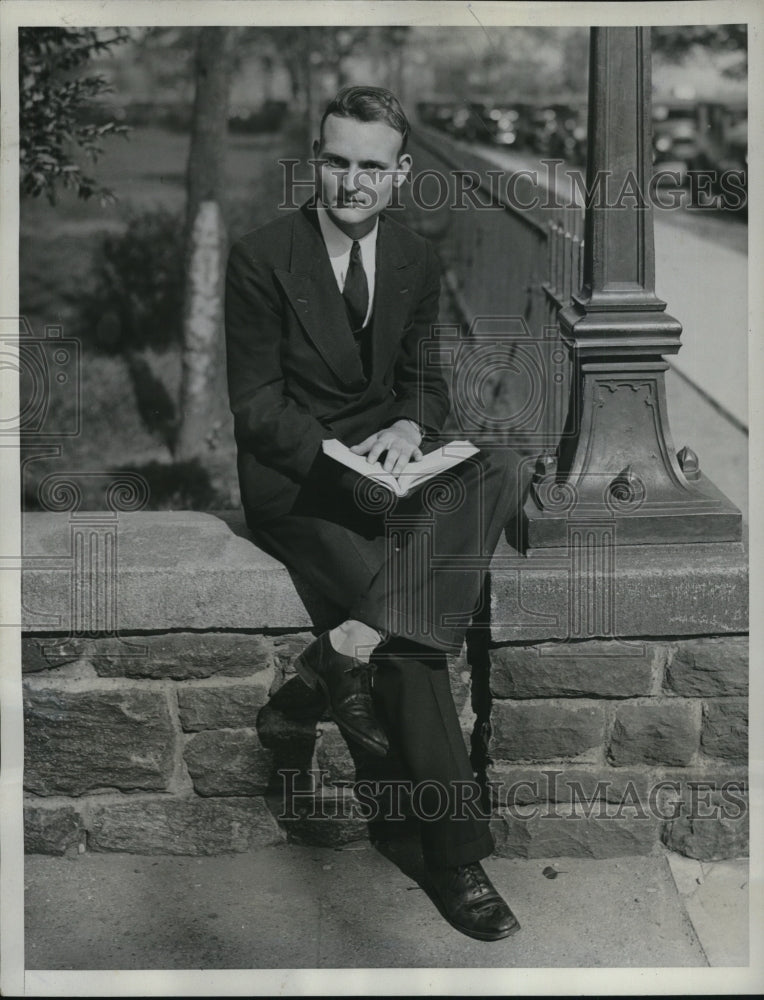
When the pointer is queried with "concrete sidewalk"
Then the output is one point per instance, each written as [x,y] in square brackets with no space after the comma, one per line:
[705,286]
[293,907]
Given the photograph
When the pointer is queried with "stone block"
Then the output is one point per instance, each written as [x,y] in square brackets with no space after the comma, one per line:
[182,655]
[662,733]
[177,570]
[699,791]
[333,755]
[714,827]
[287,648]
[709,667]
[656,590]
[222,706]
[46,653]
[725,729]
[328,819]
[228,762]
[596,669]
[556,832]
[183,826]
[52,830]
[542,731]
[522,785]
[79,741]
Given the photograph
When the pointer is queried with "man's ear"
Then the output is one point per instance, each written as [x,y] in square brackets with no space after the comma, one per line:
[316,148]
[403,169]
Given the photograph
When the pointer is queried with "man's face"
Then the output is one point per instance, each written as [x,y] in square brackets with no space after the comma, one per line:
[359,167]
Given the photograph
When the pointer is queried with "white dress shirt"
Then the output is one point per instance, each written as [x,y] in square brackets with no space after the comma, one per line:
[338,246]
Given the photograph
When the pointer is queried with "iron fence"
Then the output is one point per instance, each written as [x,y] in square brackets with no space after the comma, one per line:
[512,255]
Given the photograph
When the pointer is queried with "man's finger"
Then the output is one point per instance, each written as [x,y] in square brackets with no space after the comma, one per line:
[400,465]
[376,450]
[364,446]
[393,453]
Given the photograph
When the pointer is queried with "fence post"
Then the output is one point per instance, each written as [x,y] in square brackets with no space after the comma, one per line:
[616,456]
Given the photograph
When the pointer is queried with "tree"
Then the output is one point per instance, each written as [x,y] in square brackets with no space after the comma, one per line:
[719,39]
[322,58]
[53,101]
[202,385]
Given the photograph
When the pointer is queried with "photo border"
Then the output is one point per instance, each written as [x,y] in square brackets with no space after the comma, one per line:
[18,982]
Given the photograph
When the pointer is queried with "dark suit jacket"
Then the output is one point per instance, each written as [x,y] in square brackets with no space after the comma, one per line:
[294,371]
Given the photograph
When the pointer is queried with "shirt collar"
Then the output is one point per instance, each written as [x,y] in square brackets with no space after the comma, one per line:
[338,243]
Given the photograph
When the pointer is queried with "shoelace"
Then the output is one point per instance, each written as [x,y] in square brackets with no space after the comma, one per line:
[474,877]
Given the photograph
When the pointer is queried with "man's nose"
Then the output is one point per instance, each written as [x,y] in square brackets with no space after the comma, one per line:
[350,178]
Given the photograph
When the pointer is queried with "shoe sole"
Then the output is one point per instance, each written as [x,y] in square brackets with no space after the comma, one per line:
[315,682]
[485,937]
[478,935]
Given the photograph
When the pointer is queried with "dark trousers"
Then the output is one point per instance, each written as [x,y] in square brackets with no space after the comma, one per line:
[413,568]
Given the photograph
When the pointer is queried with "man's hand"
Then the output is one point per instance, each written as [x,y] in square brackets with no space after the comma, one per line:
[399,443]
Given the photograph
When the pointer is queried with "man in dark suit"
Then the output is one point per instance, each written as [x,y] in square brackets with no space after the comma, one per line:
[329,315]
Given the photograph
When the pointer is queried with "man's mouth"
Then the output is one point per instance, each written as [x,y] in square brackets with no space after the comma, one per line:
[352,203]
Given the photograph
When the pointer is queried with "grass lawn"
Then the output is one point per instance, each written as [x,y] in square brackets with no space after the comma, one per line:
[124,403]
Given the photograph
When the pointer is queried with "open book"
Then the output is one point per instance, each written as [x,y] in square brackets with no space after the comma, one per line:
[415,473]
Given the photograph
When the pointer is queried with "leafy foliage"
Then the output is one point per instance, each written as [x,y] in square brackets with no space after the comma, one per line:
[53,98]
[677,42]
[137,297]
[509,63]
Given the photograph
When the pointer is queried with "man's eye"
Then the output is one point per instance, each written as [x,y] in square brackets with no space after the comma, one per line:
[332,161]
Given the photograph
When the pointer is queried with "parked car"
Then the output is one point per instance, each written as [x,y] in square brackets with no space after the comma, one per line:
[559,131]
[511,124]
[723,142]
[675,135]
[467,121]
[438,113]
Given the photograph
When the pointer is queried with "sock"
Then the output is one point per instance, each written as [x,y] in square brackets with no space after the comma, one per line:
[353,638]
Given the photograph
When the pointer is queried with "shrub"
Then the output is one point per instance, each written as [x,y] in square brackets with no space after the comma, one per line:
[137,295]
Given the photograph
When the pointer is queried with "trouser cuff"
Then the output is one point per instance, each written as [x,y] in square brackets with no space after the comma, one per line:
[449,855]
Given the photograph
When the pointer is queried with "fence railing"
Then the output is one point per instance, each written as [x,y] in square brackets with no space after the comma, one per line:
[512,253]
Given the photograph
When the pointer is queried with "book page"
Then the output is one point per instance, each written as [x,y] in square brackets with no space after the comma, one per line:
[415,473]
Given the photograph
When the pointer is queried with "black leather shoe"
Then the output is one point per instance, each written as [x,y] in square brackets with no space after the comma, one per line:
[344,682]
[470,903]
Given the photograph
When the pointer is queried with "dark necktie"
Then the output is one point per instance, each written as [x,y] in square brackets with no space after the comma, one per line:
[356,290]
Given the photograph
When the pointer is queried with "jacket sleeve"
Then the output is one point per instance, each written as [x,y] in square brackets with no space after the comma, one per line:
[422,393]
[274,428]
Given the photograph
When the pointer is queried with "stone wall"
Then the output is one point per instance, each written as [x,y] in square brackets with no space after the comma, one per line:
[631,743]
[175,743]
[174,737]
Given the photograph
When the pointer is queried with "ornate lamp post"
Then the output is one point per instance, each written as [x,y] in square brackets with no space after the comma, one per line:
[616,462]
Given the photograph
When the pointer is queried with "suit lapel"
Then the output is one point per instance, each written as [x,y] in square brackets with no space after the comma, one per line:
[312,290]
[392,296]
